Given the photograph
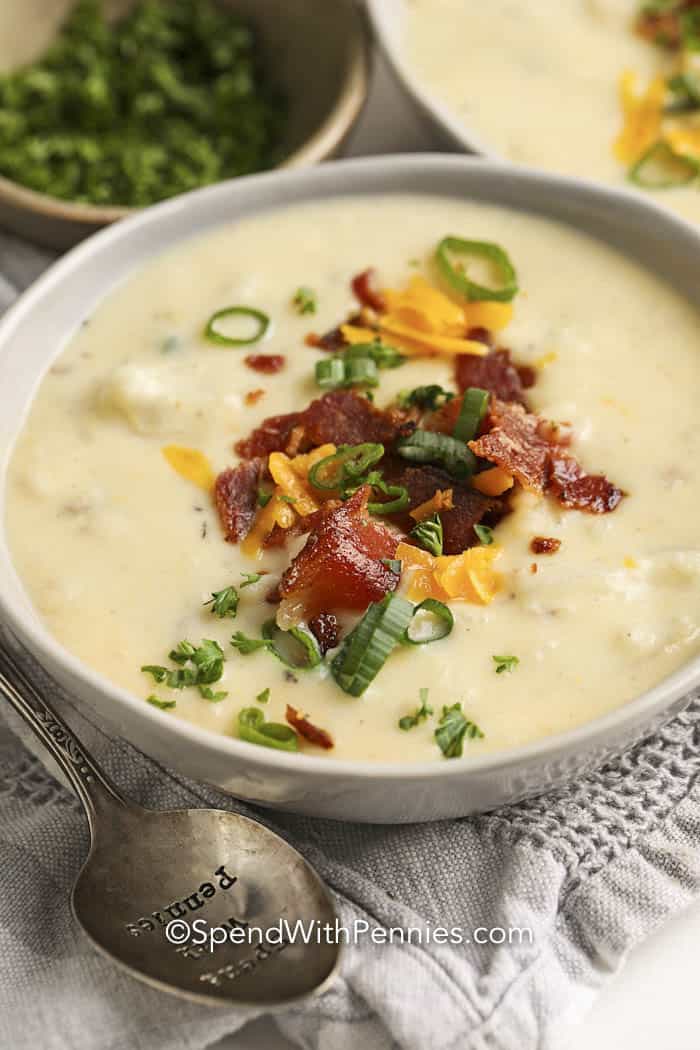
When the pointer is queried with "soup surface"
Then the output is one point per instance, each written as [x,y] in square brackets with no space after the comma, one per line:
[119,551]
[539,83]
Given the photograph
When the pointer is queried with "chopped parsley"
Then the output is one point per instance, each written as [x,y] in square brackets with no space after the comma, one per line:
[164,705]
[159,673]
[181,678]
[263,697]
[198,665]
[428,534]
[505,663]
[484,535]
[224,603]
[208,694]
[249,578]
[168,98]
[453,727]
[183,652]
[264,497]
[304,300]
[246,645]
[208,658]
[419,715]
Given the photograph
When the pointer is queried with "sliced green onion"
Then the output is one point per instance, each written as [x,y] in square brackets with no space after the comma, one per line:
[392,564]
[474,405]
[264,497]
[383,356]
[401,499]
[163,705]
[659,168]
[296,648]
[333,373]
[686,88]
[253,728]
[426,446]
[484,535]
[207,693]
[304,300]
[349,464]
[456,276]
[441,619]
[429,397]
[428,534]
[368,646]
[214,336]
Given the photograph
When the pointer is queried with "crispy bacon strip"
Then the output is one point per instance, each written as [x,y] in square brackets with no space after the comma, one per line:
[340,565]
[495,373]
[236,498]
[308,730]
[326,630]
[365,292]
[341,417]
[533,451]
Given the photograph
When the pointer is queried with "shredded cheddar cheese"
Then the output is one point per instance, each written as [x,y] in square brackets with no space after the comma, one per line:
[291,484]
[643,115]
[469,576]
[493,482]
[191,465]
[442,500]
[277,512]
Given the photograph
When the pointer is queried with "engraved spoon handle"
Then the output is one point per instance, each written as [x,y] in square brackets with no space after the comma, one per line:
[92,786]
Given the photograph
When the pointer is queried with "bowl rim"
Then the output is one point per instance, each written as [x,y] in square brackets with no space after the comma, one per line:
[379,12]
[322,143]
[330,180]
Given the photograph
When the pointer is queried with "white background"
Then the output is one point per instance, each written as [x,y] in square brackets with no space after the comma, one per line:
[652,1003]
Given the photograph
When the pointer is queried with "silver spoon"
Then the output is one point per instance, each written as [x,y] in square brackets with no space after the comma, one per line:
[193,901]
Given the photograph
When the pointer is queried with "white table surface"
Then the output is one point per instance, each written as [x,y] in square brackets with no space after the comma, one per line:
[651,1003]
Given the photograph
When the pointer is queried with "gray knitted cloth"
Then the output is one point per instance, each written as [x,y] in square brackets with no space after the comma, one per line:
[590,870]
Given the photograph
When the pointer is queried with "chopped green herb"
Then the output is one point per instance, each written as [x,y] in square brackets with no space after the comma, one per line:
[208,658]
[164,705]
[335,373]
[264,497]
[346,468]
[181,678]
[419,715]
[253,728]
[428,534]
[366,649]
[304,300]
[182,653]
[159,673]
[263,697]
[383,356]
[505,663]
[208,694]
[452,729]
[456,274]
[170,97]
[224,603]
[429,397]
[434,615]
[296,648]
[474,405]
[249,578]
[660,168]
[247,645]
[484,535]
[427,446]
[284,498]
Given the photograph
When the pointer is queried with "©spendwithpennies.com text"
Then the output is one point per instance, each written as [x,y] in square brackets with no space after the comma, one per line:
[200,934]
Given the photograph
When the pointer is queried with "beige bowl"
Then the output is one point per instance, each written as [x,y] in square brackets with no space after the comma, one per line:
[318,49]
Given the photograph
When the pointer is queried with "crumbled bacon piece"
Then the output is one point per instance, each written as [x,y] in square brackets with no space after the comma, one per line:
[496,373]
[365,292]
[236,497]
[514,442]
[253,396]
[481,335]
[341,417]
[580,491]
[532,450]
[340,565]
[469,507]
[544,545]
[325,630]
[307,729]
[268,364]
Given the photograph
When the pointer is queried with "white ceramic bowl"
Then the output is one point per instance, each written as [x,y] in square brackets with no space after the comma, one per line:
[38,326]
[388,19]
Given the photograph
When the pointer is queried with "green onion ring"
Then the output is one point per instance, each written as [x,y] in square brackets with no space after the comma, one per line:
[312,653]
[213,336]
[661,152]
[443,624]
[401,500]
[474,405]
[349,464]
[457,278]
[253,728]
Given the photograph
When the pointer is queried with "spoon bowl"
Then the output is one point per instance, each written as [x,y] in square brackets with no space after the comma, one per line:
[203,903]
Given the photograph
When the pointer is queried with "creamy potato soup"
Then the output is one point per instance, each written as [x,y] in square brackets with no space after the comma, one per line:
[579,87]
[549,513]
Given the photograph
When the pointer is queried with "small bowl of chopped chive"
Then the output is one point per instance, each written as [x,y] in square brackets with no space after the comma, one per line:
[107,106]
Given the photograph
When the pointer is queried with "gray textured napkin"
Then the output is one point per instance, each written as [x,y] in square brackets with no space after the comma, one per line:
[590,870]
